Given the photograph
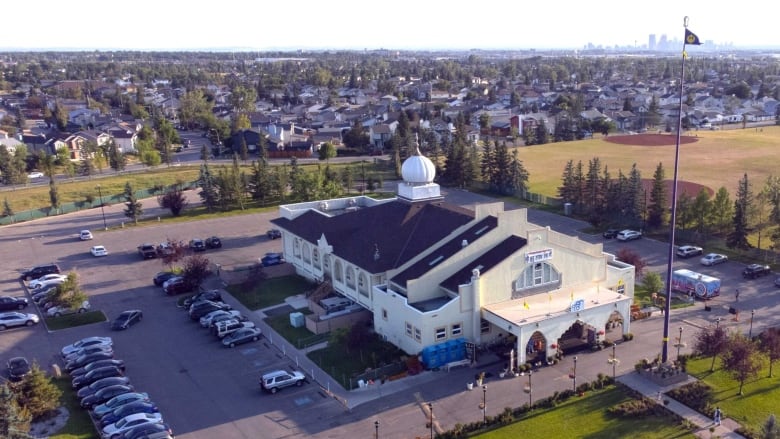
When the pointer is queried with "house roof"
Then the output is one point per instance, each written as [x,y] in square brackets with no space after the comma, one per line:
[485,262]
[396,231]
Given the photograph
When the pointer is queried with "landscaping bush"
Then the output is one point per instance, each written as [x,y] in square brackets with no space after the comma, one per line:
[696,395]
[637,408]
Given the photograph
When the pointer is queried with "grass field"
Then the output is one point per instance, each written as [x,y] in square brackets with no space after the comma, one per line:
[718,158]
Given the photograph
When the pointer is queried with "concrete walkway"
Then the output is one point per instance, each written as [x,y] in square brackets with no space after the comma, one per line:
[726,429]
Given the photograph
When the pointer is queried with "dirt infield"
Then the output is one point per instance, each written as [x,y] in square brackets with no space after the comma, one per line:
[650,139]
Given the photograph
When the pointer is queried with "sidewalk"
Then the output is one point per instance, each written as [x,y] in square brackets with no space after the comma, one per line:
[650,390]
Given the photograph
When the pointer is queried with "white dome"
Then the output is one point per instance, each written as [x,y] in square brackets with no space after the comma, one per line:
[418,169]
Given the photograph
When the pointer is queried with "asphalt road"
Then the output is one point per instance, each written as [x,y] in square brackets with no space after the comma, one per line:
[207,391]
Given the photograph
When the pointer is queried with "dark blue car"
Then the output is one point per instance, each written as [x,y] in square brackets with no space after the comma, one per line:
[127,410]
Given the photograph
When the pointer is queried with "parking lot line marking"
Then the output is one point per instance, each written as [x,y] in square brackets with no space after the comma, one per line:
[302,401]
[248,351]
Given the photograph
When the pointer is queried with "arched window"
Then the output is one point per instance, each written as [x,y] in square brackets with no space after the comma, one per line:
[297,248]
[363,285]
[306,253]
[337,272]
[326,263]
[351,277]
[538,274]
[315,255]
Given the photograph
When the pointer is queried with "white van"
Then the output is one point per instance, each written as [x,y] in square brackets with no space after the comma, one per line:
[226,327]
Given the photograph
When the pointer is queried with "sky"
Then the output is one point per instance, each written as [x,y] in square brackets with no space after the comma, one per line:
[359,24]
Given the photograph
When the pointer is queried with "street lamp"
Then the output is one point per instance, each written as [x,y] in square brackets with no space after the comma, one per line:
[530,391]
[750,332]
[376,427]
[679,343]
[574,375]
[430,409]
[102,211]
[717,334]
[614,360]
[484,404]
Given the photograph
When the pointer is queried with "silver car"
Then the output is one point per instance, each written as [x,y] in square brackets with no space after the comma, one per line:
[13,319]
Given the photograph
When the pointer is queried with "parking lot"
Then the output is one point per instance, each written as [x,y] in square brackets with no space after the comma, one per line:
[202,388]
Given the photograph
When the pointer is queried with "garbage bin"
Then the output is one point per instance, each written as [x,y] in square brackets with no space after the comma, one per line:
[567,209]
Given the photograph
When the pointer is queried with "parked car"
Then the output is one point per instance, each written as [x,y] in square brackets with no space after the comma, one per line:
[41,281]
[104,395]
[271,259]
[200,309]
[274,234]
[34,175]
[10,303]
[628,235]
[42,293]
[98,250]
[753,271]
[127,410]
[163,276]
[713,259]
[147,251]
[57,311]
[86,359]
[127,319]
[100,384]
[197,245]
[13,318]
[39,270]
[213,295]
[129,422]
[217,316]
[177,285]
[213,242]
[276,380]
[118,401]
[240,336]
[224,328]
[86,342]
[119,364]
[94,375]
[164,249]
[686,251]
[18,368]
[149,431]
[89,350]
[610,233]
[85,235]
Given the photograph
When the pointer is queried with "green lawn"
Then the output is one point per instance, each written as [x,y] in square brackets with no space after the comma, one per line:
[269,292]
[71,320]
[760,398]
[587,417]
[79,424]
[341,363]
[296,336]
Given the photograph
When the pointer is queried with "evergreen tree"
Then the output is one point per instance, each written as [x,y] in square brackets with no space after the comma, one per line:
[488,165]
[37,394]
[737,238]
[14,419]
[770,429]
[7,210]
[542,136]
[722,211]
[566,191]
[208,189]
[634,196]
[593,193]
[260,184]
[54,196]
[116,158]
[87,167]
[659,200]
[204,152]
[244,149]
[133,207]
[518,175]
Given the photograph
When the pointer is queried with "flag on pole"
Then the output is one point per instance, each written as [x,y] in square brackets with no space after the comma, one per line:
[525,305]
[691,38]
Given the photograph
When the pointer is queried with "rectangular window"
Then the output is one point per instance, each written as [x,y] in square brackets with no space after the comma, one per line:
[440,333]
[417,334]
[456,329]
[621,289]
[484,326]
[384,313]
[408,329]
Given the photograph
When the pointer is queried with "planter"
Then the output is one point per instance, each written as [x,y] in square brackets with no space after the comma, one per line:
[469,386]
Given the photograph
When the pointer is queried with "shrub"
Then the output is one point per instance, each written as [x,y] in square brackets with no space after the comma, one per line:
[636,408]
[696,395]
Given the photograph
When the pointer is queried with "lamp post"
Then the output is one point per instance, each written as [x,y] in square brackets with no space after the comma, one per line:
[102,211]
[614,360]
[484,404]
[717,333]
[376,428]
[750,332]
[679,343]
[574,375]
[430,409]
[530,391]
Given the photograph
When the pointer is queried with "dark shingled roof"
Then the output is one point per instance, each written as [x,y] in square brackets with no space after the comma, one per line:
[398,230]
[446,250]
[488,260]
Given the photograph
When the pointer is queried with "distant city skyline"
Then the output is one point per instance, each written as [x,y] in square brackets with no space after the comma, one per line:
[352,25]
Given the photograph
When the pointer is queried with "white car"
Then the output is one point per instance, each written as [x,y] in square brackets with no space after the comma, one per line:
[86,342]
[56,311]
[85,235]
[117,428]
[628,235]
[98,250]
[36,284]
[12,319]
[211,317]
[48,283]
[686,251]
[32,175]
[713,259]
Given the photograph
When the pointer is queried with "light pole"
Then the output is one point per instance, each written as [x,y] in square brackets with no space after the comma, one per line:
[530,391]
[679,343]
[717,334]
[750,332]
[102,211]
[614,360]
[376,427]
[430,409]
[484,404]
[574,375]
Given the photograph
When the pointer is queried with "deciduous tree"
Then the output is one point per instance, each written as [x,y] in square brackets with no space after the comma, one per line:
[741,359]
[173,199]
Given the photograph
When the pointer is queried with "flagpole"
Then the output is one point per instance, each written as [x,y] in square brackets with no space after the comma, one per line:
[673,219]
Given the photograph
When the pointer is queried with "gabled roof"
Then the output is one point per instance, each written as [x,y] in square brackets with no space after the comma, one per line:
[488,260]
[397,231]
[446,250]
